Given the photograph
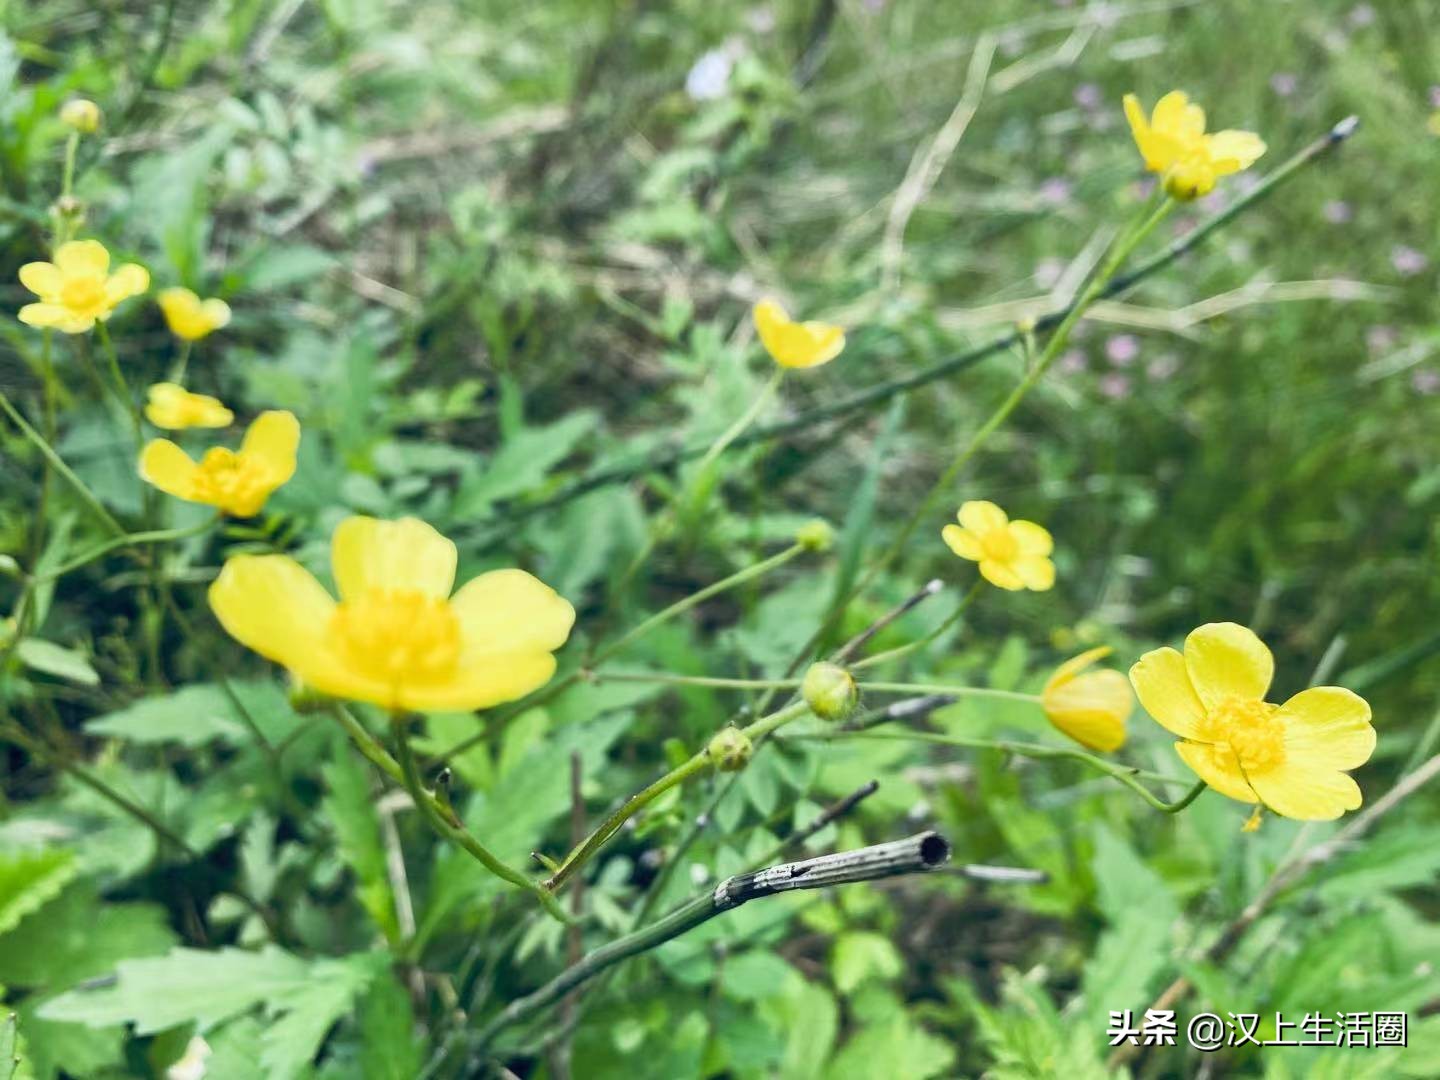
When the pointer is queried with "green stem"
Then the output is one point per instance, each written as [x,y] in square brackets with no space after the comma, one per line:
[695,680]
[431,809]
[914,646]
[177,373]
[67,176]
[154,536]
[958,691]
[61,469]
[1125,774]
[582,853]
[122,388]
[557,686]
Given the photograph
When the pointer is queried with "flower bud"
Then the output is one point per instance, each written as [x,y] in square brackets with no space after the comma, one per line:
[815,535]
[81,115]
[830,691]
[730,749]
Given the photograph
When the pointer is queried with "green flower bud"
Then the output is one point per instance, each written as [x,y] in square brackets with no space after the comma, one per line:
[730,749]
[80,115]
[830,691]
[815,535]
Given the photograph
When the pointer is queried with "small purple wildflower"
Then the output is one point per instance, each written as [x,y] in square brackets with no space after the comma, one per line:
[1338,212]
[1048,272]
[1425,381]
[1122,349]
[1380,338]
[1055,191]
[1071,362]
[1115,386]
[1407,261]
[1284,83]
[1089,96]
[1163,367]
[1362,15]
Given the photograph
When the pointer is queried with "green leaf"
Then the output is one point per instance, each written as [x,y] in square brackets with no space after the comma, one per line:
[810,1019]
[50,659]
[895,1047]
[191,716]
[860,955]
[860,518]
[351,809]
[77,937]
[30,878]
[292,1041]
[391,1050]
[522,463]
[755,975]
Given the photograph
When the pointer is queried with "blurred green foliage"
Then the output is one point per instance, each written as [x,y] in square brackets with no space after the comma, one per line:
[482,249]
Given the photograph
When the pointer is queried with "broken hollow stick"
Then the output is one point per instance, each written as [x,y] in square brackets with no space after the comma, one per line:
[915,854]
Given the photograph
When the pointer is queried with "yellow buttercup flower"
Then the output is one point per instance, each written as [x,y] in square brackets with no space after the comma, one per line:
[173,407]
[1174,145]
[237,482]
[396,637]
[1089,706]
[1291,758]
[81,115]
[1011,554]
[77,288]
[796,344]
[189,317]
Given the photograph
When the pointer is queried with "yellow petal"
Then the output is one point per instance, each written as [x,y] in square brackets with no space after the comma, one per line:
[1295,790]
[367,553]
[981,517]
[1227,660]
[1076,664]
[1163,686]
[173,407]
[1001,574]
[1091,708]
[500,678]
[510,611]
[1327,728]
[1135,115]
[41,278]
[1174,115]
[273,439]
[1219,768]
[216,313]
[823,342]
[962,542]
[79,257]
[45,315]
[1036,571]
[795,345]
[168,468]
[1232,151]
[1032,539]
[273,605]
[129,280]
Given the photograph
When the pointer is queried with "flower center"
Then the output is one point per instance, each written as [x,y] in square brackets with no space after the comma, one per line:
[398,635]
[999,545]
[229,479]
[1252,730]
[83,293]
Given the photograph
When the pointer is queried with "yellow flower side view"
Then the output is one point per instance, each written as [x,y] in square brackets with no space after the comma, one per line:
[237,482]
[1291,758]
[396,638]
[77,289]
[1089,706]
[796,344]
[1012,554]
[1173,142]
[189,317]
[174,408]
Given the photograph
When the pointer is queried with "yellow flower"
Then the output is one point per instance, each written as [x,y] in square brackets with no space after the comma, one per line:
[76,289]
[796,345]
[81,115]
[172,406]
[1174,145]
[1089,706]
[1011,554]
[236,482]
[396,637]
[189,317]
[1289,757]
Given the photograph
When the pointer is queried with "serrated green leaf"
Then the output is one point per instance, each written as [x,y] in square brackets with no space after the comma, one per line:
[351,810]
[860,955]
[522,463]
[29,878]
[387,1026]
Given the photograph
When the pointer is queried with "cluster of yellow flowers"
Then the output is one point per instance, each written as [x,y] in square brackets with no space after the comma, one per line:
[397,638]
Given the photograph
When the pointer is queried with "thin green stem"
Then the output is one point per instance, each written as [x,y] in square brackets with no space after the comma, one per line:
[695,680]
[430,808]
[153,536]
[61,469]
[1125,774]
[915,646]
[564,682]
[958,691]
[177,373]
[122,388]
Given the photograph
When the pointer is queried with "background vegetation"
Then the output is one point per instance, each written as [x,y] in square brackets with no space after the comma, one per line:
[482,249]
